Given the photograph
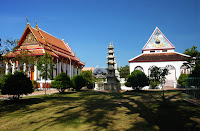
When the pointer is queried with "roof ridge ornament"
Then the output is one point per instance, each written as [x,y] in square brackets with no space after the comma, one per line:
[36,24]
[27,20]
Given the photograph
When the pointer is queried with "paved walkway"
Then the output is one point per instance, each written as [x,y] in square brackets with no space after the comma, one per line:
[5,97]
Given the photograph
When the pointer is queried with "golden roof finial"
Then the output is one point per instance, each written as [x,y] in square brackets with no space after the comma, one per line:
[27,20]
[36,24]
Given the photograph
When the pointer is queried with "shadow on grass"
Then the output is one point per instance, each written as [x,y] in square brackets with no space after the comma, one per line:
[8,106]
[167,117]
[97,110]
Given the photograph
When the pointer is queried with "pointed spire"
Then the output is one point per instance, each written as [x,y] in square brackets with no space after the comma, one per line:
[27,20]
[36,24]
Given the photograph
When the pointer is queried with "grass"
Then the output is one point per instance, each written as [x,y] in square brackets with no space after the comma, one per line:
[88,110]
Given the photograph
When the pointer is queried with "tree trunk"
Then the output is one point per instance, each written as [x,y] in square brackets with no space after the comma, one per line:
[45,86]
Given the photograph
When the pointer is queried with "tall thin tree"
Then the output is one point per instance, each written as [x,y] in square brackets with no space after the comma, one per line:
[45,65]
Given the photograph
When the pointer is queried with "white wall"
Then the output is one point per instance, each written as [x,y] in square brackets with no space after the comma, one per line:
[146,65]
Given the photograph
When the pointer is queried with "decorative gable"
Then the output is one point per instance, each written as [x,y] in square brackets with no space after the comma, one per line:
[29,39]
[158,41]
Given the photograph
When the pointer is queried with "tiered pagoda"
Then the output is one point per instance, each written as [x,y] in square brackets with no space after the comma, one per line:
[112,84]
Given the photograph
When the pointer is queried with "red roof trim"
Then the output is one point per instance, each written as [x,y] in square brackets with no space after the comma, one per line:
[155,61]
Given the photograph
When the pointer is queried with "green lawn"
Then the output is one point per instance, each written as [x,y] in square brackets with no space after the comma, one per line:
[88,110]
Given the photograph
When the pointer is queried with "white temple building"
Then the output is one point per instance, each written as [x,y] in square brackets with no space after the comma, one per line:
[159,51]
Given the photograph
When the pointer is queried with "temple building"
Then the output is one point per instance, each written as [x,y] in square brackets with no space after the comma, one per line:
[159,51]
[37,42]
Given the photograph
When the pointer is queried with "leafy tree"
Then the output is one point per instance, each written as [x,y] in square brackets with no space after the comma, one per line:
[89,79]
[10,45]
[78,82]
[196,71]
[153,83]
[10,48]
[17,84]
[159,75]
[137,80]
[181,79]
[193,52]
[195,63]
[61,82]
[45,66]
[7,46]
[124,72]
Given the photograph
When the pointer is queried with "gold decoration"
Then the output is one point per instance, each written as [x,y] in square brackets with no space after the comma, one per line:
[29,38]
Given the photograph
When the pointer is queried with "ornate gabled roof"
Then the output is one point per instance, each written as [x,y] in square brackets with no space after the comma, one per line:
[158,41]
[46,43]
[160,57]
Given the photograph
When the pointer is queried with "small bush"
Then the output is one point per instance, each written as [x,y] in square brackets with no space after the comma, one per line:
[35,84]
[153,83]
[17,84]
[137,80]
[78,82]
[89,79]
[181,79]
[61,82]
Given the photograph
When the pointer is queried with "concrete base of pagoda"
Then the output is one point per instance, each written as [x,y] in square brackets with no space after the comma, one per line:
[112,87]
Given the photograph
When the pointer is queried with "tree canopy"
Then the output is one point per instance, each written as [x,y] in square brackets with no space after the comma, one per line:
[89,79]
[193,52]
[195,63]
[45,66]
[78,82]
[159,74]
[137,80]
[61,82]
[16,84]
[124,72]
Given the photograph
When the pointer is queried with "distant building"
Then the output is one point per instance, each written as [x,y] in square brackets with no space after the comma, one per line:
[100,72]
[159,51]
[88,69]
[38,42]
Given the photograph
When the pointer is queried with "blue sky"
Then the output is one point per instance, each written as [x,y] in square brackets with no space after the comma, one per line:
[90,25]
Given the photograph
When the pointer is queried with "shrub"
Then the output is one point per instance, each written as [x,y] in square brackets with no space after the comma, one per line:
[153,83]
[89,79]
[17,84]
[196,71]
[78,82]
[35,84]
[61,82]
[181,79]
[137,80]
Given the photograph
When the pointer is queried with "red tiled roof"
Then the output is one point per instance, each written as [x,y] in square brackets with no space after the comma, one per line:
[31,52]
[158,57]
[50,44]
